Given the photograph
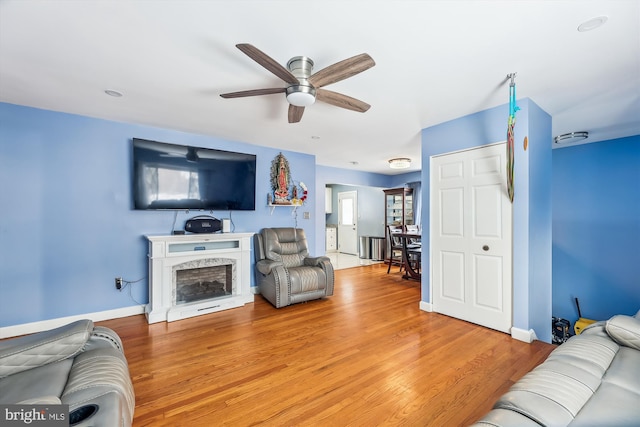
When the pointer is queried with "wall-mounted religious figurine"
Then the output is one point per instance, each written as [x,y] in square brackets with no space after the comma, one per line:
[283,192]
[280,180]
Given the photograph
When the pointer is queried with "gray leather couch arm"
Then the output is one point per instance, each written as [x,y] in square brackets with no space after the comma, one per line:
[625,330]
[101,377]
[265,266]
[31,351]
[325,263]
[316,261]
[102,337]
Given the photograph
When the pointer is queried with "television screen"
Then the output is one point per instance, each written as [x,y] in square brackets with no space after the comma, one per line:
[168,176]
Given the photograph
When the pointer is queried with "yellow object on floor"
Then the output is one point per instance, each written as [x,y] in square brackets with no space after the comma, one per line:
[581,324]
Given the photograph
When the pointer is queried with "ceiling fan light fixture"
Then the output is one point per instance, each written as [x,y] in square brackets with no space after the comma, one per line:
[566,138]
[301,95]
[400,163]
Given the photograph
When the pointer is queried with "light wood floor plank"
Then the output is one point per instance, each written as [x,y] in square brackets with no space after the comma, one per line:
[367,356]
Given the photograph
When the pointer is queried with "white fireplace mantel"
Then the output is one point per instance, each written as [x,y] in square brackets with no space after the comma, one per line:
[167,252]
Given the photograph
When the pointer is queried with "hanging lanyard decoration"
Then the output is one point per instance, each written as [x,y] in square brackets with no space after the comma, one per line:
[510,137]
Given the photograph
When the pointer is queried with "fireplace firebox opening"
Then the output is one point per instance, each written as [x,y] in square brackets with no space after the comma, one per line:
[198,284]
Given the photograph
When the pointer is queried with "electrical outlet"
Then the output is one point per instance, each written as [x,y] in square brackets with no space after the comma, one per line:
[118,283]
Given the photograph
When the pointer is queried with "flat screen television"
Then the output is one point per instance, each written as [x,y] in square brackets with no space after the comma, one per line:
[169,176]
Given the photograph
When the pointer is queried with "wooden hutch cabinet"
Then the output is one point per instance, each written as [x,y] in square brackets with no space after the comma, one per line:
[398,203]
[398,212]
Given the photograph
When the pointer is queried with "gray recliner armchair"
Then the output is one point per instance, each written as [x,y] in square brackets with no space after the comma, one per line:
[285,273]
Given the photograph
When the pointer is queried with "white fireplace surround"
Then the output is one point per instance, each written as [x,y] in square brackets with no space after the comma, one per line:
[167,254]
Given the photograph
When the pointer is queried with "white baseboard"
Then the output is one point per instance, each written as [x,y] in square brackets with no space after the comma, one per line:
[523,335]
[426,306]
[516,333]
[30,328]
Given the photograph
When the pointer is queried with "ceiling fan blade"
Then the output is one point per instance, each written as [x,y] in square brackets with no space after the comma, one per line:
[295,113]
[253,92]
[342,70]
[340,100]
[267,62]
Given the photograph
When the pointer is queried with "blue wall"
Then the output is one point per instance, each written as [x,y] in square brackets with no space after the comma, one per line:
[402,180]
[531,207]
[596,229]
[67,226]
[534,213]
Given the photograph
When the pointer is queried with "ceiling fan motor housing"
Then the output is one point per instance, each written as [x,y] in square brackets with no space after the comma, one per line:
[303,94]
[300,66]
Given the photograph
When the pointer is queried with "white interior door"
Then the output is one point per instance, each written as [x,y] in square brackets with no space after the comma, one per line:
[348,222]
[471,237]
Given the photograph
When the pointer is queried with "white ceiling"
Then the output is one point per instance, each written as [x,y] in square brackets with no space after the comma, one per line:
[435,61]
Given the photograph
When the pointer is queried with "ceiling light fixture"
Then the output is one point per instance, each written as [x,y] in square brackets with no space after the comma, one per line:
[400,163]
[566,138]
[592,23]
[113,93]
[301,95]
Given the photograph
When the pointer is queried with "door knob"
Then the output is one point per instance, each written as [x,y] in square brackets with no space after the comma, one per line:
[485,248]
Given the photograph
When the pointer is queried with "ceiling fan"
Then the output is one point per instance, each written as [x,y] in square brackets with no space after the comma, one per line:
[304,88]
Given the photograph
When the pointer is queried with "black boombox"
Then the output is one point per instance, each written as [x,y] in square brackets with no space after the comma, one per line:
[560,330]
[203,224]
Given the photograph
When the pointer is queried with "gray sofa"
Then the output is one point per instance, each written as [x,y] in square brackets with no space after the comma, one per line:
[79,364]
[593,379]
[285,273]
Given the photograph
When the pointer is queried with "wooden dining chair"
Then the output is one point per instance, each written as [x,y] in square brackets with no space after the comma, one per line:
[394,243]
[413,229]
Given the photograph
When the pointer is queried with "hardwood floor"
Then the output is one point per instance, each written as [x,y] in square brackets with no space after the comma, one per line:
[366,356]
